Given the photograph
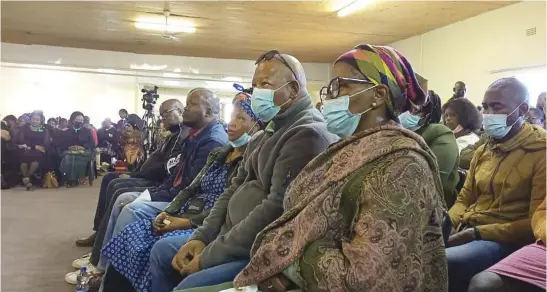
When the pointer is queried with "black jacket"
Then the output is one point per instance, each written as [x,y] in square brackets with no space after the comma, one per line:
[162,161]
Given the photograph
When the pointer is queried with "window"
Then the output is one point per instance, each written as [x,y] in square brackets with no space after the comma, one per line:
[535,81]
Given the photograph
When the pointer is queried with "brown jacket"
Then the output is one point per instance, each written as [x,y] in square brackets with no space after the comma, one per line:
[504,187]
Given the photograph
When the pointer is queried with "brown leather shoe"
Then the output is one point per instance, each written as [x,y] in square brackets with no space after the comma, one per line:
[86,242]
[95,282]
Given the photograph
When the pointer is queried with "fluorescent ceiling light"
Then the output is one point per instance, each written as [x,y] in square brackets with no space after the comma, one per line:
[175,27]
[353,6]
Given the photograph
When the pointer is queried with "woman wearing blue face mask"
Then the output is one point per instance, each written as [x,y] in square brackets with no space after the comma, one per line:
[129,250]
[371,198]
[424,121]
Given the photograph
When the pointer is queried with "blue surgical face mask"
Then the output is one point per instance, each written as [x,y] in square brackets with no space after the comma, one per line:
[262,103]
[241,141]
[410,121]
[340,120]
[496,126]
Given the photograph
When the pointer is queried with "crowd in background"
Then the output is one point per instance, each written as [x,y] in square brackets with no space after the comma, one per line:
[379,187]
[60,151]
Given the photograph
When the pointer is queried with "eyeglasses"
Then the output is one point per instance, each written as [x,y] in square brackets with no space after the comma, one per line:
[333,90]
[165,113]
[270,55]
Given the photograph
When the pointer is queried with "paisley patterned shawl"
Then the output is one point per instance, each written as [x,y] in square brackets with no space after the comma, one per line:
[363,216]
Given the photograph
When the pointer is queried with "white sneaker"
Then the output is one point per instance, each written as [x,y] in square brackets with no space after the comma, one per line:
[71,277]
[83,261]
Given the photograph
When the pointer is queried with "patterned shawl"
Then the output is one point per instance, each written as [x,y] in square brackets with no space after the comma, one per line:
[363,216]
[385,65]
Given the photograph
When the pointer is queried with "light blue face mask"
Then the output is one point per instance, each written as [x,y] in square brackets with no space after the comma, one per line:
[340,120]
[495,125]
[241,141]
[410,121]
[262,103]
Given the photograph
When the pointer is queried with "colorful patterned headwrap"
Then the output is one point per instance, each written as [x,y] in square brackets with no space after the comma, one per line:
[242,100]
[385,65]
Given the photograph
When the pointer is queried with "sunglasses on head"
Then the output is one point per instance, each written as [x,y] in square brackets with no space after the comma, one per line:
[272,54]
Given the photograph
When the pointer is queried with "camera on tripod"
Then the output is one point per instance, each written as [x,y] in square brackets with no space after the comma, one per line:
[149,98]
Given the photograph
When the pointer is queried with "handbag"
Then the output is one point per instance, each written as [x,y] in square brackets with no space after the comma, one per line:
[50,181]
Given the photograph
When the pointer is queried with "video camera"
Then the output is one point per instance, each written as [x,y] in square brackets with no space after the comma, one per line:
[149,98]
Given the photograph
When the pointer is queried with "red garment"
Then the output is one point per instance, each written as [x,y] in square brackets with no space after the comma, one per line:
[95,138]
[526,264]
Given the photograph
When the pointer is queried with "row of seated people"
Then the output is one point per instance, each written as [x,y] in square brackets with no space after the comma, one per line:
[359,198]
[31,148]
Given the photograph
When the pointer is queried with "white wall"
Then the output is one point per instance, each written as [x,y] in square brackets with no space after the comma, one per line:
[480,50]
[60,80]
[59,93]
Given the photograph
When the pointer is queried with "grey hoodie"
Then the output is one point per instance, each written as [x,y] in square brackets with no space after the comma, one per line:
[272,160]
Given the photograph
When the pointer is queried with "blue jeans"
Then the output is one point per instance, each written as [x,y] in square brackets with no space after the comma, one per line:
[213,276]
[137,211]
[164,277]
[465,261]
[123,199]
[107,189]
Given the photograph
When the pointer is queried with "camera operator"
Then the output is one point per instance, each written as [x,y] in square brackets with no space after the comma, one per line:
[123,119]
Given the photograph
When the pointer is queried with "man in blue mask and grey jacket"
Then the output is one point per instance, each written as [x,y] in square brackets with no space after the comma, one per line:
[218,250]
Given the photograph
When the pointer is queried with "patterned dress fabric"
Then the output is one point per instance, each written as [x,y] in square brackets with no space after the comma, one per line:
[129,251]
[365,215]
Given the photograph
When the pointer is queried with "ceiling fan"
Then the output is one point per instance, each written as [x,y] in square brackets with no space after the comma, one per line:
[167,31]
[166,34]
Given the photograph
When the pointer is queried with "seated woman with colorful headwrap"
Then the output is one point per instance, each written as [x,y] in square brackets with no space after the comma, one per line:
[129,250]
[366,214]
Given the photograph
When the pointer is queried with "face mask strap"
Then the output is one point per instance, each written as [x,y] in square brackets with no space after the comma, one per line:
[359,92]
[284,85]
[518,107]
[252,127]
[364,90]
